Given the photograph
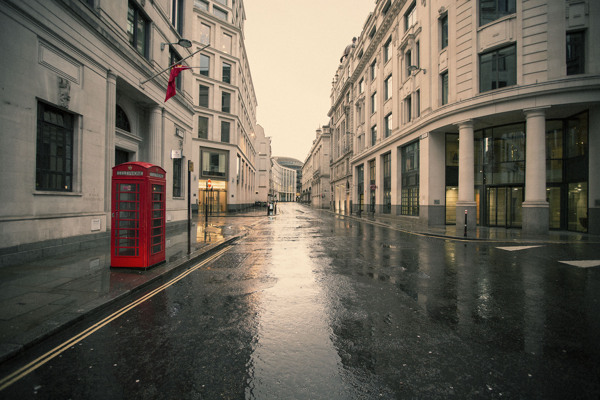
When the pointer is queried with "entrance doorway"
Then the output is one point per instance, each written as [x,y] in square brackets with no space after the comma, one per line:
[212,201]
[504,206]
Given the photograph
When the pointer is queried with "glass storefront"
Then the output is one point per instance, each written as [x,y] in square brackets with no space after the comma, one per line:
[499,154]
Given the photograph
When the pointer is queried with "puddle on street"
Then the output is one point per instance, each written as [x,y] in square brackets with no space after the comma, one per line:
[294,352]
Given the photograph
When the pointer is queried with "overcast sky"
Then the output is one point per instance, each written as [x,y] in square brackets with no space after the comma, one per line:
[294,49]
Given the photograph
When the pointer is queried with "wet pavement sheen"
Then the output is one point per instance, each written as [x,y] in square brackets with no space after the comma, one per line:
[315,306]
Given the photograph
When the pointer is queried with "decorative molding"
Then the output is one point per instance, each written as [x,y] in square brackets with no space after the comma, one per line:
[64,92]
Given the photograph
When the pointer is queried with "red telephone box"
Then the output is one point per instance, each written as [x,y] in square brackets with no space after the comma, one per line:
[138,215]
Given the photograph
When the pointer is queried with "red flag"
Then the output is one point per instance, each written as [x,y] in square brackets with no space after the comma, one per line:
[171,90]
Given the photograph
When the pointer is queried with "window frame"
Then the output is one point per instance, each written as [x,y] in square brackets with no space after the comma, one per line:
[139,17]
[177,178]
[499,56]
[47,130]
[201,96]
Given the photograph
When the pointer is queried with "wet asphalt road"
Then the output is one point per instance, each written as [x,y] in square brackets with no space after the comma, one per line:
[313,306]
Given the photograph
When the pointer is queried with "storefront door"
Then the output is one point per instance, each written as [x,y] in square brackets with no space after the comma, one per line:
[504,206]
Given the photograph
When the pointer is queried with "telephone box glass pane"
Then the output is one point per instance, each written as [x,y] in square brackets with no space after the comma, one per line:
[128,187]
[133,224]
[128,215]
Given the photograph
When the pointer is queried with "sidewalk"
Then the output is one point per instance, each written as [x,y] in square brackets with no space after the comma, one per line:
[480,233]
[39,298]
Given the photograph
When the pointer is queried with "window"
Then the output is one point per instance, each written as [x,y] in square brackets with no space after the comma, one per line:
[173,59]
[410,17]
[221,14]
[387,122]
[204,34]
[418,54]
[575,53]
[374,103]
[498,69]
[138,29]
[204,65]
[177,15]
[360,186]
[214,163]
[373,69]
[372,33]
[491,10]
[444,31]
[201,4]
[387,88]
[177,181]
[227,41]
[202,127]
[121,120]
[408,62]
[387,183]
[226,102]
[225,130]
[203,96]
[444,84]
[226,73]
[361,86]
[372,185]
[386,8]
[386,50]
[54,151]
[410,180]
[373,135]
[224,2]
[408,108]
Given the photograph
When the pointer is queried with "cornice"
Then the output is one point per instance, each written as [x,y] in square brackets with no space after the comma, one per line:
[376,43]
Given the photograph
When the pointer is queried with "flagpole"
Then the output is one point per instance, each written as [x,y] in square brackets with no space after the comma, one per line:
[171,66]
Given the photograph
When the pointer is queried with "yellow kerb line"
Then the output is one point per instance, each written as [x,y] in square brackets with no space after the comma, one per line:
[38,362]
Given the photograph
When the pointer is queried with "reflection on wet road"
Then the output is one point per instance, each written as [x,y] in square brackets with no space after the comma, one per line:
[315,306]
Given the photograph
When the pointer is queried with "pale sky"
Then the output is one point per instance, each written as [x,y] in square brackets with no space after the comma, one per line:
[294,49]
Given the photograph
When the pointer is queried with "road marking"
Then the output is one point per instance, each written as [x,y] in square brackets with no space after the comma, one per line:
[517,248]
[38,362]
[583,263]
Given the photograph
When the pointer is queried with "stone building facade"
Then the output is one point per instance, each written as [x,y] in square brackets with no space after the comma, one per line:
[479,107]
[316,185]
[83,90]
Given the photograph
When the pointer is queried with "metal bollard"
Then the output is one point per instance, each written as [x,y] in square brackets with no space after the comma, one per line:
[466,213]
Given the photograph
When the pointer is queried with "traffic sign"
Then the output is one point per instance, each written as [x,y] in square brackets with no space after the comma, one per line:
[209,184]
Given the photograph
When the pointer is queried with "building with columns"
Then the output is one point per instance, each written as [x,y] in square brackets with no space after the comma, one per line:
[316,185]
[483,108]
[83,90]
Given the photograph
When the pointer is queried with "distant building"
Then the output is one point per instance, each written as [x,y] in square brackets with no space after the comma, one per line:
[263,146]
[316,171]
[283,181]
[296,165]
[484,108]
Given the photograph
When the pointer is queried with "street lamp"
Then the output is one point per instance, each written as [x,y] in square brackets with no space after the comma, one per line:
[414,68]
[181,42]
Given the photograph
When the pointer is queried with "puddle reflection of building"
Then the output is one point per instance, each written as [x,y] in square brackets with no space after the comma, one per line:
[209,232]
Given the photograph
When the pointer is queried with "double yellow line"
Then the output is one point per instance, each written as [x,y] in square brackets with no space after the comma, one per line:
[38,362]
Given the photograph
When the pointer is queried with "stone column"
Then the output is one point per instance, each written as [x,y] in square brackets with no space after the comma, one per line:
[535,206]
[465,203]
[109,139]
[155,136]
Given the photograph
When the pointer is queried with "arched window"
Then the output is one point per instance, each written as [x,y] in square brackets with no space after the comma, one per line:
[121,120]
